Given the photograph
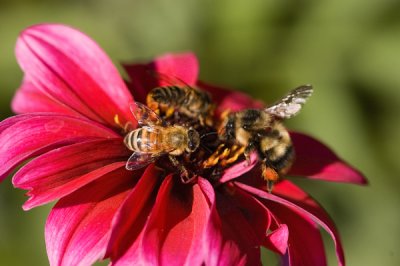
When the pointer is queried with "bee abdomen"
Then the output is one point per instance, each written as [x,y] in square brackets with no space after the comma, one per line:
[142,140]
[280,161]
[168,95]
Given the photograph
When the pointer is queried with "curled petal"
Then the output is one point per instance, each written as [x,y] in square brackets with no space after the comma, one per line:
[30,135]
[304,236]
[316,161]
[176,226]
[78,227]
[294,198]
[239,169]
[64,170]
[277,240]
[130,219]
[29,99]
[86,81]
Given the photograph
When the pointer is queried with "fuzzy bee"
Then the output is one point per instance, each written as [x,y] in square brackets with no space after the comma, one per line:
[155,138]
[262,131]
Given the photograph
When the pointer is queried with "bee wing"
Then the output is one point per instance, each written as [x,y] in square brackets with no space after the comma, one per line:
[139,160]
[144,115]
[291,104]
[170,80]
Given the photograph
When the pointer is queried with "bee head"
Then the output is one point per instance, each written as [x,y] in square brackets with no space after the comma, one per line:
[193,140]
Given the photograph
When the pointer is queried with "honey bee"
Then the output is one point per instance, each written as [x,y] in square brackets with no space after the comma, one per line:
[184,99]
[262,131]
[155,138]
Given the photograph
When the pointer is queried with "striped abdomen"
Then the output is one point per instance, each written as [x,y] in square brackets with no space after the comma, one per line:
[144,140]
[186,99]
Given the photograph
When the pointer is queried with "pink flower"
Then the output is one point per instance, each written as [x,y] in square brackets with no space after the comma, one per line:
[67,102]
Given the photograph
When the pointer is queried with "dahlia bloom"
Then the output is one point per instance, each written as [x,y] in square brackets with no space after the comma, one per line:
[66,132]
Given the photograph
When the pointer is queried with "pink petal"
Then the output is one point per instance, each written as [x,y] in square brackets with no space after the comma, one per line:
[277,240]
[30,135]
[316,161]
[231,238]
[72,69]
[305,242]
[129,221]
[292,197]
[29,99]
[78,227]
[232,100]
[59,172]
[239,169]
[164,70]
[175,229]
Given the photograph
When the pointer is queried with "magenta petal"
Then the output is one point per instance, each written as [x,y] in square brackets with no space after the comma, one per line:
[183,67]
[175,229]
[277,240]
[169,69]
[78,227]
[229,99]
[239,169]
[304,236]
[292,197]
[316,161]
[40,133]
[64,170]
[29,99]
[130,219]
[69,67]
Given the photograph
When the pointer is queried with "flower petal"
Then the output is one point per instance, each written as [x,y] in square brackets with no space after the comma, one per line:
[316,161]
[292,197]
[72,69]
[26,136]
[164,70]
[277,240]
[175,229]
[29,99]
[226,99]
[304,236]
[59,172]
[230,237]
[129,221]
[78,227]
[239,169]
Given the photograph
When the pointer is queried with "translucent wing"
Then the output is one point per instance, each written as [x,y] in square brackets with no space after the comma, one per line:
[144,115]
[139,160]
[169,80]
[291,104]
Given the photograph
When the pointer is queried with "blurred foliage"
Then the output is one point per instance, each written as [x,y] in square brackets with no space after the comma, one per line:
[349,51]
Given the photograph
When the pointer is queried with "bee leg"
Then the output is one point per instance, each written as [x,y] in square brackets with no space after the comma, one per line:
[214,158]
[269,174]
[169,112]
[233,155]
[250,147]
[182,169]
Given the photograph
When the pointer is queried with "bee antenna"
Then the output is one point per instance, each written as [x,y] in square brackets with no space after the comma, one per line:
[208,134]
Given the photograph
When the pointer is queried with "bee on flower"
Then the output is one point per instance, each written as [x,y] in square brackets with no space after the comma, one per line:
[65,146]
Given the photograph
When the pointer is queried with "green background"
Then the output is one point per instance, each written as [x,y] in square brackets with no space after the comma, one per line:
[349,51]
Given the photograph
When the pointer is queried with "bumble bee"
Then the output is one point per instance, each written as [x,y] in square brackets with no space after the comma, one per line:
[262,131]
[155,138]
[184,99]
